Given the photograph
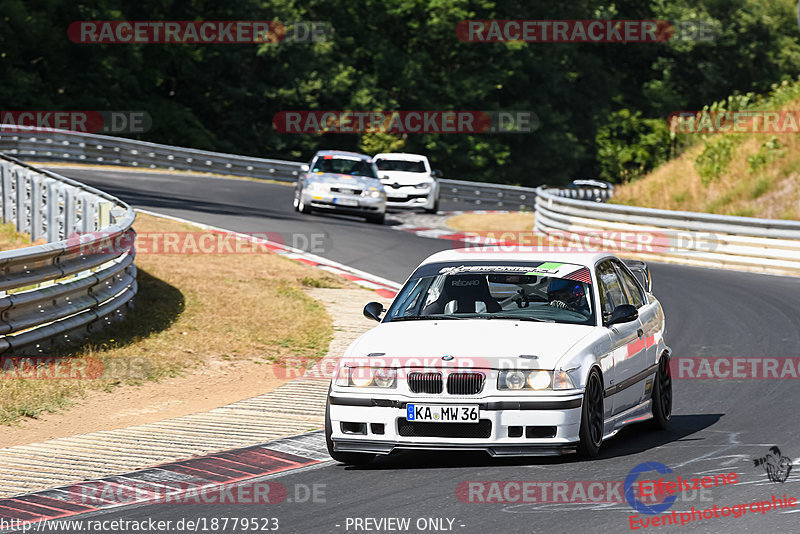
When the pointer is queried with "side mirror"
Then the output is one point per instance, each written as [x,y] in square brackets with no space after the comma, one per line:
[436,173]
[623,313]
[303,168]
[373,310]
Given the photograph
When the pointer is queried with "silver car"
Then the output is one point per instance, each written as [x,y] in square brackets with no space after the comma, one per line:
[514,354]
[344,182]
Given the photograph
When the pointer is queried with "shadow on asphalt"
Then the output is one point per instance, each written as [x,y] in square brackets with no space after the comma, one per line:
[631,440]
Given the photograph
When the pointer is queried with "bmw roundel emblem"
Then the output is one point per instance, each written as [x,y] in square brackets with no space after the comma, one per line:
[447,358]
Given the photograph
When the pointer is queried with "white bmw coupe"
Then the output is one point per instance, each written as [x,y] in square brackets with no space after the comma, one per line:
[509,353]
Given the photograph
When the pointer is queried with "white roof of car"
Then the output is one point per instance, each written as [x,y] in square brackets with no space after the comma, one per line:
[501,254]
[399,155]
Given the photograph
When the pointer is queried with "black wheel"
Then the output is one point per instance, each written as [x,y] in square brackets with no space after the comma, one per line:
[376,219]
[350,458]
[435,208]
[302,207]
[591,431]
[662,395]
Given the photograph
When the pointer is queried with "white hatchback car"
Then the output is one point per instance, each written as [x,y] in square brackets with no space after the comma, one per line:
[509,353]
[409,181]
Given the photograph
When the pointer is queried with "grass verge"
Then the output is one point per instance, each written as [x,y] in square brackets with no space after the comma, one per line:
[745,174]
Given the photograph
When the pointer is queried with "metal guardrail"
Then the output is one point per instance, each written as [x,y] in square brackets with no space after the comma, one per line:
[76,147]
[74,282]
[764,245]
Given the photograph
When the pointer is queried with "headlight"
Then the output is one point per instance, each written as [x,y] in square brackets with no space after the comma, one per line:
[374,193]
[316,186]
[385,378]
[536,380]
[363,377]
[423,186]
[539,379]
[511,380]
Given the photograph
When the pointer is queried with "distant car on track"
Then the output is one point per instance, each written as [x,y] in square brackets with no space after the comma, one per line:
[509,353]
[409,181]
[344,182]
[598,184]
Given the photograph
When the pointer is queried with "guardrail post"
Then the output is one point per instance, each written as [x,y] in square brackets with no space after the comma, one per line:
[37,194]
[53,207]
[8,197]
[21,190]
[69,211]
[88,213]
[103,214]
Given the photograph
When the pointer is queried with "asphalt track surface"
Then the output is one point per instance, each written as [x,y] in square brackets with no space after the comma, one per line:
[718,426]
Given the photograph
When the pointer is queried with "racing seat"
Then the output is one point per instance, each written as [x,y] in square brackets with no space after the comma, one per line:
[465,290]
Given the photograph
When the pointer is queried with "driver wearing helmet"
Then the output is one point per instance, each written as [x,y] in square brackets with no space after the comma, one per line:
[567,295]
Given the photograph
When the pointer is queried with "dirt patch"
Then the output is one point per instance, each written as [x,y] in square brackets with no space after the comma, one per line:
[492,222]
[208,388]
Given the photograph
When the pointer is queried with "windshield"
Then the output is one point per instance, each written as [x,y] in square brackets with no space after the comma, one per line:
[400,165]
[354,167]
[547,292]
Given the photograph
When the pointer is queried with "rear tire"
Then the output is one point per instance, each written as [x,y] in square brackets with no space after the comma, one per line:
[662,395]
[376,219]
[349,458]
[592,419]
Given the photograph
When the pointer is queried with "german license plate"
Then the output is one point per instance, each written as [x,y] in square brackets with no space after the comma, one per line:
[345,201]
[443,414]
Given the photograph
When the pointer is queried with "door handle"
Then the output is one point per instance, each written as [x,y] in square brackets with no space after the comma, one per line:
[640,332]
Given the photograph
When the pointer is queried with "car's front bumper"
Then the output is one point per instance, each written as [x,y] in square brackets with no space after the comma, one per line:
[503,430]
[419,201]
[332,202]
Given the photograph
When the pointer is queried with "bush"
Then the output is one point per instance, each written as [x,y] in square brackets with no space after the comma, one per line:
[629,146]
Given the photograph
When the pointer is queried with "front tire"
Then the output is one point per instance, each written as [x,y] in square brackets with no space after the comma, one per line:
[592,419]
[435,208]
[349,458]
[662,395]
[302,207]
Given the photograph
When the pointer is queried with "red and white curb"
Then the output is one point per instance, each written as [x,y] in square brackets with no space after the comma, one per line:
[383,287]
[434,227]
[214,478]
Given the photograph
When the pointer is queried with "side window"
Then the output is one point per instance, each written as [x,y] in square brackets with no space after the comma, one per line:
[632,286]
[611,292]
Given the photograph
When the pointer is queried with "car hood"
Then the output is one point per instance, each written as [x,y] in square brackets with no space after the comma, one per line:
[345,180]
[482,343]
[404,178]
